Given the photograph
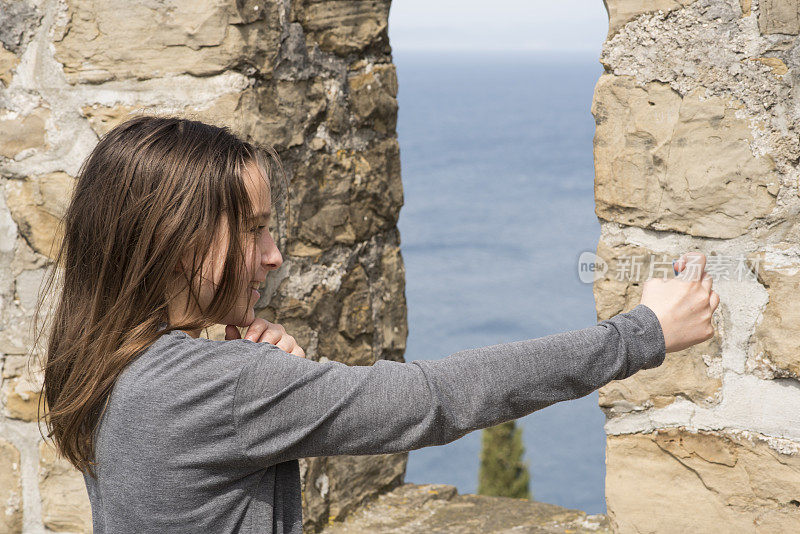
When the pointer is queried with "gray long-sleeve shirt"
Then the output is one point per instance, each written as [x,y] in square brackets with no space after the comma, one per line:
[203,436]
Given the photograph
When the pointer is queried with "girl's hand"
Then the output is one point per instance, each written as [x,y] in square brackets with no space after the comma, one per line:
[262,331]
[684,305]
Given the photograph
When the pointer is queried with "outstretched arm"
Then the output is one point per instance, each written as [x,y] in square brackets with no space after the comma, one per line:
[287,407]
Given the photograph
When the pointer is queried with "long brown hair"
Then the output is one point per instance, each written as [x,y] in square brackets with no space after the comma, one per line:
[152,191]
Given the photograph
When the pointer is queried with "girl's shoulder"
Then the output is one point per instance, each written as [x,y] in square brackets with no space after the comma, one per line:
[178,361]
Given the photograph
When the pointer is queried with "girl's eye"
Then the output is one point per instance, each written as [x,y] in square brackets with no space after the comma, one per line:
[259,229]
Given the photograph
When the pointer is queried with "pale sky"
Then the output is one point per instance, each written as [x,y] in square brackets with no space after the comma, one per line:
[565,25]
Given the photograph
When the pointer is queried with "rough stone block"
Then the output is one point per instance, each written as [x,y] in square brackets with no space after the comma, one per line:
[65,503]
[391,304]
[677,481]
[21,389]
[279,114]
[15,338]
[28,284]
[378,194]
[18,22]
[774,351]
[345,197]
[779,16]
[352,479]
[284,112]
[678,164]
[8,61]
[777,65]
[10,489]
[356,316]
[314,490]
[104,118]
[345,318]
[373,97]
[106,40]
[18,133]
[621,12]
[683,374]
[343,26]
[37,206]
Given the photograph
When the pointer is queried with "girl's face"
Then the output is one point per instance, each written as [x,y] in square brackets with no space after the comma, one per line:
[261,256]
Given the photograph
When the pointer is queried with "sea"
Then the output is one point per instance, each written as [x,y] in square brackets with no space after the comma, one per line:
[498,181]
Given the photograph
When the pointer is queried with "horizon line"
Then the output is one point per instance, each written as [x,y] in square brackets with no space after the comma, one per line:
[452,50]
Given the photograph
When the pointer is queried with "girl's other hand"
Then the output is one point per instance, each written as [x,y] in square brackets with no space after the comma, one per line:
[262,331]
[684,305]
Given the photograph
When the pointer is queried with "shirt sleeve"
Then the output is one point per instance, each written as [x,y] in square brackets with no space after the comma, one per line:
[287,407]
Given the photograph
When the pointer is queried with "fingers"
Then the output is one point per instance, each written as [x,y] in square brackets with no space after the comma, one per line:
[707,281]
[273,334]
[697,259]
[287,343]
[691,266]
[262,331]
[276,335]
[256,329]
[679,265]
[714,301]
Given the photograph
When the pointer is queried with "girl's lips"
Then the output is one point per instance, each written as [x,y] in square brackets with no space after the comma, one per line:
[256,293]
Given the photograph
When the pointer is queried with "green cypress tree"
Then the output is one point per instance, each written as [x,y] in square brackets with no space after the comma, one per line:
[502,472]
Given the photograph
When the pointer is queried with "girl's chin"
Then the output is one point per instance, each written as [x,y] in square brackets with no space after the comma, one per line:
[248,318]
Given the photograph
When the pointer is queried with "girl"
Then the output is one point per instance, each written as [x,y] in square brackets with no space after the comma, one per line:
[167,233]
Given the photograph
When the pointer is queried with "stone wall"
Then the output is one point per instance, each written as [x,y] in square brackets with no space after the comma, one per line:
[696,148]
[313,78]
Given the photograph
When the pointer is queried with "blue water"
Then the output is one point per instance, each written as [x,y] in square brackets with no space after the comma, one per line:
[497,168]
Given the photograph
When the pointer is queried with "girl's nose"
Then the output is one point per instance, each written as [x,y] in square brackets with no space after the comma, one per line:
[272,257]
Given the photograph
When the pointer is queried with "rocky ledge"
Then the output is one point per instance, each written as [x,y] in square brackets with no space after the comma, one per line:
[438,508]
